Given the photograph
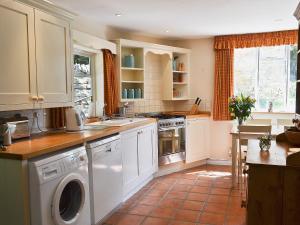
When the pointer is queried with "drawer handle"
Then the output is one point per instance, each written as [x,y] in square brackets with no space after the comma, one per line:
[41,98]
[34,98]
[108,150]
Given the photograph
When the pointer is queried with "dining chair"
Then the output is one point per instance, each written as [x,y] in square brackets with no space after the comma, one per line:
[285,122]
[258,122]
[243,131]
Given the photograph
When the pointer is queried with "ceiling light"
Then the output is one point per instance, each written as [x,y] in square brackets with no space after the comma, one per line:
[167,31]
[278,20]
[118,14]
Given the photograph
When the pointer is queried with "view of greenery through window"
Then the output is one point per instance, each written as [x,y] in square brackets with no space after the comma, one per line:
[268,74]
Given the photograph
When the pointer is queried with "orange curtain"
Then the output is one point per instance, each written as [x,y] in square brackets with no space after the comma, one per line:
[57,118]
[224,55]
[223,83]
[111,86]
[256,40]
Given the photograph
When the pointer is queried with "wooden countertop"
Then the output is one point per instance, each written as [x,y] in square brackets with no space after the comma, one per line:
[49,143]
[279,154]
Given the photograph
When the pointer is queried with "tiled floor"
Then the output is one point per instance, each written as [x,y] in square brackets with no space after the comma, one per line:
[198,196]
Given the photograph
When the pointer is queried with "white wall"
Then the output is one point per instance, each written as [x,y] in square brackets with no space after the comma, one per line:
[202,85]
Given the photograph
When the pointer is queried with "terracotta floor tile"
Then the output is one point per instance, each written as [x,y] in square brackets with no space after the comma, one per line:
[163,212]
[186,181]
[149,200]
[113,219]
[223,185]
[190,176]
[235,220]
[171,203]
[197,197]
[235,193]
[200,189]
[155,221]
[181,187]
[167,180]
[156,193]
[212,218]
[220,191]
[187,215]
[218,199]
[162,186]
[219,208]
[203,183]
[177,194]
[181,223]
[193,205]
[125,208]
[130,220]
[142,210]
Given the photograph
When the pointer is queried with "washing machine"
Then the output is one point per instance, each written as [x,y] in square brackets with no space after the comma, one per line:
[59,189]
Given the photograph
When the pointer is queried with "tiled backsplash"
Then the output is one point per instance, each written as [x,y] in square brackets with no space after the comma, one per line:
[29,113]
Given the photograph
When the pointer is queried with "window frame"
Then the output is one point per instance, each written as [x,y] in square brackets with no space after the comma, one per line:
[257,77]
[91,55]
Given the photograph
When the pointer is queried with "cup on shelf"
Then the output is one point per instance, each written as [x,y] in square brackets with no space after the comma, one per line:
[124,93]
[130,93]
[137,93]
[128,61]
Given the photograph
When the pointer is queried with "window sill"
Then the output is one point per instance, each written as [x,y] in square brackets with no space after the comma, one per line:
[286,113]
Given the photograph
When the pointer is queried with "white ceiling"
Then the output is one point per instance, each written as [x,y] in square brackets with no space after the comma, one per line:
[188,18]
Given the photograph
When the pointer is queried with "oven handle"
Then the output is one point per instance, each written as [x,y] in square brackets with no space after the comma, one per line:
[169,128]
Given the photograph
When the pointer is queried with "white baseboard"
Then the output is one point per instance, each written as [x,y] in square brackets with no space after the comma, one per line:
[138,187]
[219,162]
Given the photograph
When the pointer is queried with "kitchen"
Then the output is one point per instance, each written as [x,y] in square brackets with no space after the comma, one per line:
[102,124]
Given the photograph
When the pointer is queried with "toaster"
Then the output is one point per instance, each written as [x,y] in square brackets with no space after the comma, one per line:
[19,127]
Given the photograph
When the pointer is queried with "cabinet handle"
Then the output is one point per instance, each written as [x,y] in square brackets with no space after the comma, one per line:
[108,150]
[34,98]
[41,98]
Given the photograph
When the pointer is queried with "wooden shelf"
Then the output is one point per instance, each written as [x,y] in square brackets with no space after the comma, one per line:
[131,68]
[132,99]
[180,83]
[182,72]
[132,81]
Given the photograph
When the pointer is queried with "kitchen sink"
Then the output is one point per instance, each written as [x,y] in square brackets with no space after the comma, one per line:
[95,127]
[118,122]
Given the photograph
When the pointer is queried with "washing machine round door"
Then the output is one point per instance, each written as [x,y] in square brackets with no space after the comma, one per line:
[69,199]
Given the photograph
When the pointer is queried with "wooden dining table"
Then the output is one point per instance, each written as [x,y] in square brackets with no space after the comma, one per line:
[234,138]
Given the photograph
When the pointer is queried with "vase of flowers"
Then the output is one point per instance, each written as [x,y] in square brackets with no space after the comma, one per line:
[265,142]
[240,107]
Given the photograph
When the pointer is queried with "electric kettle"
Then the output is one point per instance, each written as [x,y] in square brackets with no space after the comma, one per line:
[74,119]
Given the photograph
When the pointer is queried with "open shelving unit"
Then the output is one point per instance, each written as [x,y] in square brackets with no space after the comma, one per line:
[175,79]
[178,78]
[131,77]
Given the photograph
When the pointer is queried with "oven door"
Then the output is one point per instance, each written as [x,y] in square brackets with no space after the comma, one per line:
[171,147]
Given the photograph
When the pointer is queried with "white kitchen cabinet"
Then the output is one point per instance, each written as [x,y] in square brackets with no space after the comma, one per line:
[139,155]
[197,139]
[129,145]
[145,150]
[35,58]
[53,58]
[17,59]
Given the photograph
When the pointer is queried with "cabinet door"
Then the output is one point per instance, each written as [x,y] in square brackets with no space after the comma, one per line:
[53,56]
[17,59]
[130,160]
[145,151]
[197,138]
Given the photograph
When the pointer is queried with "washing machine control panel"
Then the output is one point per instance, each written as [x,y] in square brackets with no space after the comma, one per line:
[58,167]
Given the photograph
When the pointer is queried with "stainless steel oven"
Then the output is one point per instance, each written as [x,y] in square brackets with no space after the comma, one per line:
[171,140]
